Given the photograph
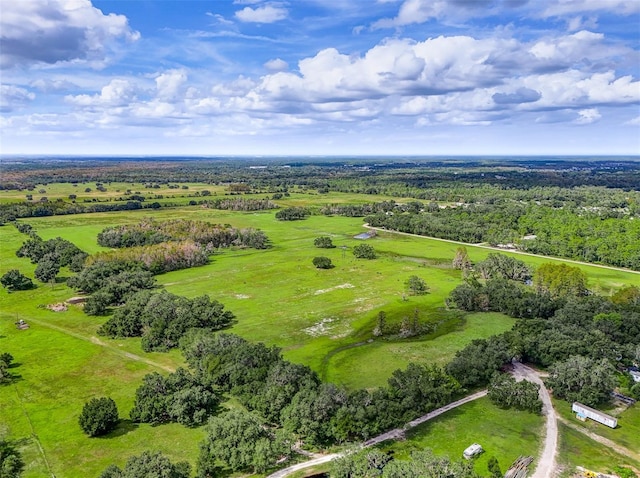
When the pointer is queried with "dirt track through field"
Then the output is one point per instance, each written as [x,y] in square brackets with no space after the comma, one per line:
[97,341]
[546,462]
[602,440]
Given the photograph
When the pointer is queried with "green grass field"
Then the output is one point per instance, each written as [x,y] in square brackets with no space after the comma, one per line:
[505,434]
[577,449]
[323,318]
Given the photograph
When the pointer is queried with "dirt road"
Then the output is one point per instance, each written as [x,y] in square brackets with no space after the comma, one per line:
[546,463]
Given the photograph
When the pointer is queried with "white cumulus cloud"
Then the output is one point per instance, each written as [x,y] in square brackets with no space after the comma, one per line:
[264,14]
[52,31]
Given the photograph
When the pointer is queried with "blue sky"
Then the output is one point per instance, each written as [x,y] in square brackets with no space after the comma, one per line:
[320,77]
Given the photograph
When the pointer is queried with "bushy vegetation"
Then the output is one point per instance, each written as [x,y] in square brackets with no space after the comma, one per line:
[505,392]
[241,441]
[212,236]
[149,464]
[240,204]
[422,464]
[158,258]
[292,214]
[162,319]
[175,398]
[6,360]
[15,280]
[364,251]
[322,262]
[582,379]
[323,242]
[11,463]
[99,416]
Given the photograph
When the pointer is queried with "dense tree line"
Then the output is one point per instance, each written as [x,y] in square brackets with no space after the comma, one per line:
[581,338]
[12,211]
[580,234]
[240,204]
[342,174]
[111,283]
[292,397]
[161,319]
[58,250]
[151,232]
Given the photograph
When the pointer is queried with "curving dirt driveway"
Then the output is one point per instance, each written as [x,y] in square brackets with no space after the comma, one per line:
[546,464]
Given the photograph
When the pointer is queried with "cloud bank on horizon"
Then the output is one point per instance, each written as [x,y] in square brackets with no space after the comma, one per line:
[317,77]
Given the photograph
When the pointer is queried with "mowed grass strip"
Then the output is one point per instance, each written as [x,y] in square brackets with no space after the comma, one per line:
[505,434]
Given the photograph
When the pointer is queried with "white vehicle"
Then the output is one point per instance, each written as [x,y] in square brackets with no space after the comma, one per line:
[472,451]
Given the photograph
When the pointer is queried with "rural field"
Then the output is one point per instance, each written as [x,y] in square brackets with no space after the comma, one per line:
[321,318]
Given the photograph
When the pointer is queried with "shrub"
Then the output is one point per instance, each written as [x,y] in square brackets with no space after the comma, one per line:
[322,262]
[364,251]
[323,242]
[99,416]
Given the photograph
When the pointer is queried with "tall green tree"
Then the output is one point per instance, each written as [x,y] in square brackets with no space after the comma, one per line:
[47,268]
[15,280]
[561,280]
[241,441]
[582,379]
[99,416]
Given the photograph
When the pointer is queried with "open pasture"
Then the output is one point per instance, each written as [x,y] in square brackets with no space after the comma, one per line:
[323,318]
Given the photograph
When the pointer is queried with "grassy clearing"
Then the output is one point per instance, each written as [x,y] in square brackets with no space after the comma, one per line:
[577,449]
[58,373]
[62,191]
[627,433]
[505,434]
[353,366]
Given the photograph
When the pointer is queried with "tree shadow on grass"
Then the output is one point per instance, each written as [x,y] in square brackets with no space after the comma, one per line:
[124,427]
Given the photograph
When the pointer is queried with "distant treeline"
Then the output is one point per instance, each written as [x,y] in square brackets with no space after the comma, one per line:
[12,211]
[352,174]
